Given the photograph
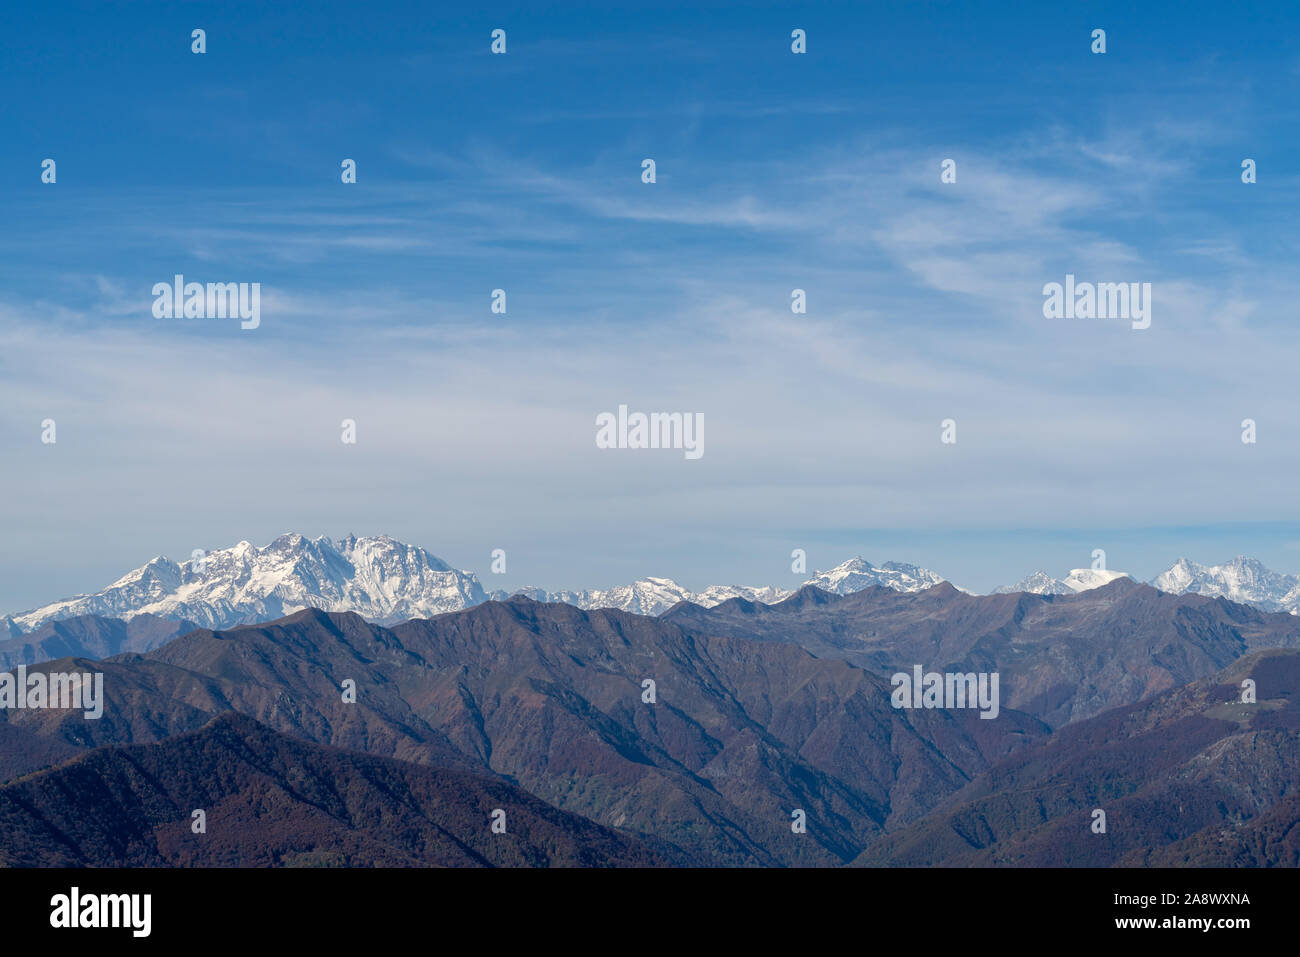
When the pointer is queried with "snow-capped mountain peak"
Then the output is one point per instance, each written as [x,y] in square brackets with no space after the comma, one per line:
[1079,579]
[1039,583]
[1242,579]
[377,577]
[1086,579]
[385,581]
[653,596]
[857,573]
[649,596]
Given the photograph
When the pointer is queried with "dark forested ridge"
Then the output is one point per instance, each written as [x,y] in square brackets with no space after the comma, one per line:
[273,800]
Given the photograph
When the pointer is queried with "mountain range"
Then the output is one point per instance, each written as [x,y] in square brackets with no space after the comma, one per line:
[387,581]
[381,579]
[1079,579]
[654,596]
[552,699]
[1242,579]
[1061,658]
[1122,698]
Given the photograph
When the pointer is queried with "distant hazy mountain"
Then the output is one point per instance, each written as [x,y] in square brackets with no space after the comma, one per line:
[379,578]
[1079,579]
[646,596]
[654,596]
[857,574]
[1039,583]
[1242,579]
[387,581]
[90,636]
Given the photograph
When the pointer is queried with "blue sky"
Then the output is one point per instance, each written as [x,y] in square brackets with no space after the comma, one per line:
[775,171]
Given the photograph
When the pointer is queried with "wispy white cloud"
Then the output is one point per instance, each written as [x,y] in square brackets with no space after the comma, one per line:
[925,303]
